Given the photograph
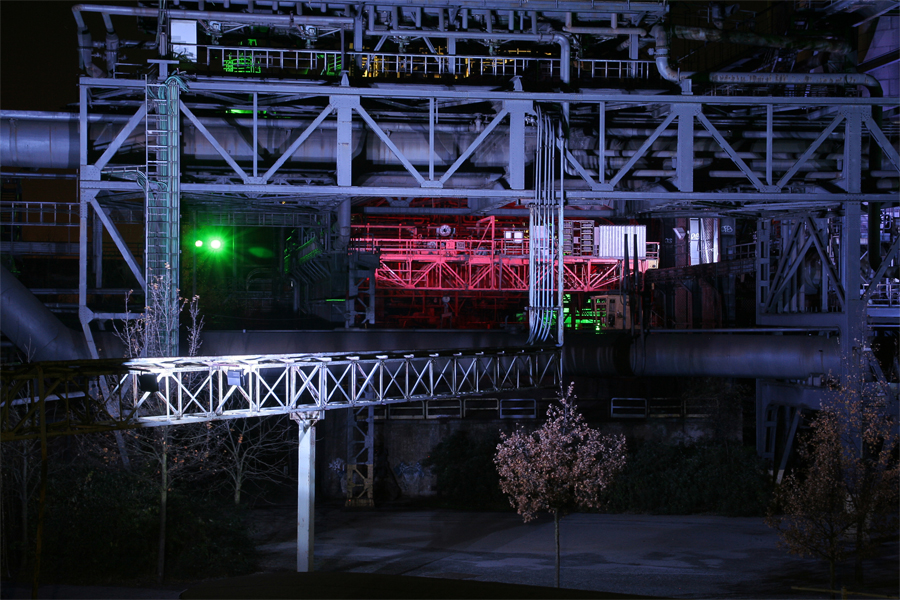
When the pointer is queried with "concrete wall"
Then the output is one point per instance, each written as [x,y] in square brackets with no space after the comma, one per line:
[401,445]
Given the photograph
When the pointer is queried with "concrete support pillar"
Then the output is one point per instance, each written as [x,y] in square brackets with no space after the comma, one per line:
[306,492]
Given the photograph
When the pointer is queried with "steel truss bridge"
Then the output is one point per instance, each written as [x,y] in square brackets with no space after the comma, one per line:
[65,398]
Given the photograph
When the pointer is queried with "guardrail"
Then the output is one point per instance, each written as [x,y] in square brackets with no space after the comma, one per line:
[252,59]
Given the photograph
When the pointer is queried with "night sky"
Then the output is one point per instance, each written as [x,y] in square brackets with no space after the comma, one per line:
[38,57]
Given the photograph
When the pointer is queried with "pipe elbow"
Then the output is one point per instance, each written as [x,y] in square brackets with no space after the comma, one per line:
[76,12]
[562,40]
[662,55]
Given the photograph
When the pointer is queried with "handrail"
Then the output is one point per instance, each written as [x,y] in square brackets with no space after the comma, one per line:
[253,59]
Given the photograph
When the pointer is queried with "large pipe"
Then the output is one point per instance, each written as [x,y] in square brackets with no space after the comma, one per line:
[763,41]
[206,15]
[613,30]
[32,141]
[32,327]
[703,355]
[666,72]
[50,140]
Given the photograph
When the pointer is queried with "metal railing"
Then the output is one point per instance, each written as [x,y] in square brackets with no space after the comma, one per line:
[66,398]
[251,59]
[885,294]
[740,251]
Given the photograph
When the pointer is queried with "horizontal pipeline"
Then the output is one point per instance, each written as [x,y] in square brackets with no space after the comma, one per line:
[748,355]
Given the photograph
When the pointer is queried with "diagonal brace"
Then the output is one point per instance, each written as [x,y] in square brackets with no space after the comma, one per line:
[215,143]
[474,145]
[730,151]
[296,143]
[644,147]
[809,151]
[121,137]
[389,143]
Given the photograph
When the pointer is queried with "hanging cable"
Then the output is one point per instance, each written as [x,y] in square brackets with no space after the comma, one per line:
[544,228]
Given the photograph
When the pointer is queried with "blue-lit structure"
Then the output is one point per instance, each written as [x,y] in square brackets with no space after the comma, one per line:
[745,145]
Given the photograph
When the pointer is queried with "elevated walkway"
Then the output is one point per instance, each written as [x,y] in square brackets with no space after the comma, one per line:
[66,398]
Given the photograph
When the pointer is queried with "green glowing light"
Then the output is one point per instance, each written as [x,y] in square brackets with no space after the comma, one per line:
[199,243]
[259,252]
[216,244]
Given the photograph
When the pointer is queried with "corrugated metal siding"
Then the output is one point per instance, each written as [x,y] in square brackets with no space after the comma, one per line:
[609,241]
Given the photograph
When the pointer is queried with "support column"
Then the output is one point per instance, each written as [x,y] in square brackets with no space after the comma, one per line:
[97,252]
[306,491]
[854,329]
[517,111]
[344,106]
[684,167]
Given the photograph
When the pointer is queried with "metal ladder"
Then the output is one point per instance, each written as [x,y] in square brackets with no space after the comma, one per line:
[162,201]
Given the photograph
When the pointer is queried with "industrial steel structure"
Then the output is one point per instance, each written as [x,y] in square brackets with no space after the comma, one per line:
[550,166]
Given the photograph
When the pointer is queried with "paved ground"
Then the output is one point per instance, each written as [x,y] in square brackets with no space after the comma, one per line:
[676,557]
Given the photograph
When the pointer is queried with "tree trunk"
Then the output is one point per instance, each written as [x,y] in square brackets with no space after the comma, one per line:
[163,496]
[556,528]
[23,497]
[123,450]
[831,575]
[42,504]
[237,492]
[858,563]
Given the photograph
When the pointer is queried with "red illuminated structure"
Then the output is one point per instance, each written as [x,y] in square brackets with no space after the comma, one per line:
[473,273]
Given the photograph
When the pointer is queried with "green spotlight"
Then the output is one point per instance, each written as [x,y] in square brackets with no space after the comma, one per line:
[216,244]
[199,243]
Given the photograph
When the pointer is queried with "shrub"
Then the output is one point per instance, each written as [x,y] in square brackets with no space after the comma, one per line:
[708,477]
[99,526]
[464,467]
[102,526]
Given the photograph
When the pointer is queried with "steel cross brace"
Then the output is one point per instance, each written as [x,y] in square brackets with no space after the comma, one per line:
[171,391]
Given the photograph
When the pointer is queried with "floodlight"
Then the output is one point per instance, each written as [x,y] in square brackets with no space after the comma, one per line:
[148,382]
[235,378]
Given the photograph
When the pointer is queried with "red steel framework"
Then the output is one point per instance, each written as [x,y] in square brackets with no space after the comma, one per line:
[468,272]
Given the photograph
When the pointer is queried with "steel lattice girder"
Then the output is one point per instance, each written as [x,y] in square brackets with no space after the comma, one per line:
[764,181]
[65,398]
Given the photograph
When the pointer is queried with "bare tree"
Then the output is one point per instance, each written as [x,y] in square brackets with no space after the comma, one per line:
[168,453]
[21,477]
[562,466]
[253,449]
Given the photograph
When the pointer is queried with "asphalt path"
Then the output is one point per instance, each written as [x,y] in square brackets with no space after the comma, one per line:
[642,555]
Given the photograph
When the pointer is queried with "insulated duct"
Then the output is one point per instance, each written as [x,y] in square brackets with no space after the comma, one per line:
[32,327]
[763,41]
[50,140]
[751,356]
[249,18]
[668,73]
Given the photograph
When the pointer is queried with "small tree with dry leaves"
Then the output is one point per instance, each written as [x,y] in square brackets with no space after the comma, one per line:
[561,467]
[809,508]
[847,500]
